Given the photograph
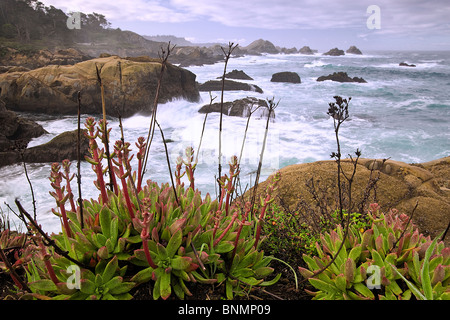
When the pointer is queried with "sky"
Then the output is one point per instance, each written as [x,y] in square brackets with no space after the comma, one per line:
[319,24]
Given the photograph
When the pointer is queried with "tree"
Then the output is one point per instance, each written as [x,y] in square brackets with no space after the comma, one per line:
[8,31]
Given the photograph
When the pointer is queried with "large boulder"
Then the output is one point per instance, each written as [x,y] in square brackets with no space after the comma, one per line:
[63,146]
[216,85]
[334,52]
[16,131]
[53,89]
[240,108]
[353,50]
[286,76]
[341,77]
[400,186]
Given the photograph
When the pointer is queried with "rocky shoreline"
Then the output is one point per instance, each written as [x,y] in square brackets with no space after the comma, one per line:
[48,82]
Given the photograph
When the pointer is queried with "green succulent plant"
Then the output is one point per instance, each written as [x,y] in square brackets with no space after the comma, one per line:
[105,284]
[381,258]
[169,235]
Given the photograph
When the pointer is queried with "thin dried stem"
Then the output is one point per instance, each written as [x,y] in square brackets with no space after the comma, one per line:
[227,55]
[80,198]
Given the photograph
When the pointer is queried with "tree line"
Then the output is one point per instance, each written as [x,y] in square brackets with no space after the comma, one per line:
[30,20]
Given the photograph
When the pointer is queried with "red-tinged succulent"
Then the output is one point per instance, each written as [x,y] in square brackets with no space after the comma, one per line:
[56,179]
[171,235]
[387,256]
[96,157]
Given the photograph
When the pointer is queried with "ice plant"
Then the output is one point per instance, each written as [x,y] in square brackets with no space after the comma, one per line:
[145,236]
[48,264]
[58,194]
[190,166]
[234,172]
[381,257]
[264,203]
[103,134]
[178,174]
[96,157]
[68,178]
[122,171]
[140,156]
[175,236]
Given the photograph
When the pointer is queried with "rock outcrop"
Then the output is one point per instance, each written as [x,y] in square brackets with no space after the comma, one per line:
[195,56]
[286,76]
[240,108]
[353,50]
[400,186]
[341,77]
[404,64]
[334,52]
[53,89]
[230,85]
[41,58]
[16,131]
[63,146]
[261,46]
[237,74]
[306,50]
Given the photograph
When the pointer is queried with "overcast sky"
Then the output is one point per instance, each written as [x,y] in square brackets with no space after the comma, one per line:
[320,24]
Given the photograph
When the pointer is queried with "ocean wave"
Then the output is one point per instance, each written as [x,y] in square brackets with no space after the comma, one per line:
[316,63]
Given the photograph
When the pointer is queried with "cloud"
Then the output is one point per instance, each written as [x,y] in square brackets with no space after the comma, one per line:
[124,10]
[273,14]
[397,16]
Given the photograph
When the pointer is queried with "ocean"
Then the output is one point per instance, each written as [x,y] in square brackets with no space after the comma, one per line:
[402,113]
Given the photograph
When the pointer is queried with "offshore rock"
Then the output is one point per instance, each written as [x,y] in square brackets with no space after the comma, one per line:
[261,46]
[353,50]
[286,76]
[306,50]
[341,77]
[237,74]
[404,64]
[216,85]
[334,52]
[240,108]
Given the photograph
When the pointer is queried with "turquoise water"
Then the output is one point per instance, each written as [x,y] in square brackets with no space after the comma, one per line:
[401,112]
